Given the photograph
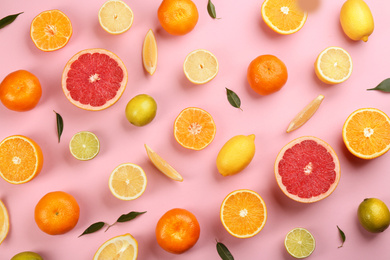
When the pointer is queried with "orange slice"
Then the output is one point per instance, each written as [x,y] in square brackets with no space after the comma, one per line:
[366,133]
[51,30]
[283,16]
[21,159]
[200,66]
[149,53]
[194,128]
[115,16]
[243,213]
[123,247]
[4,222]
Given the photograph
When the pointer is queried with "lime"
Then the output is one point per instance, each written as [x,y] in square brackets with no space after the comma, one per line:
[84,145]
[141,110]
[299,243]
[374,215]
[27,256]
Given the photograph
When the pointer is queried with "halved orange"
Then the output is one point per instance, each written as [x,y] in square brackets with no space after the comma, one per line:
[21,159]
[366,133]
[51,30]
[243,213]
[4,222]
[194,128]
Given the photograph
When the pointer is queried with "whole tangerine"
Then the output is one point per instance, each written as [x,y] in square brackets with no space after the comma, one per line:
[20,91]
[267,74]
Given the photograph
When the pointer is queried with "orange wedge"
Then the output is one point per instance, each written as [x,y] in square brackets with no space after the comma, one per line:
[4,222]
[200,66]
[123,247]
[149,53]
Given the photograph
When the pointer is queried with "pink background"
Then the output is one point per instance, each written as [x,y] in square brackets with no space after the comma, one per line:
[235,39]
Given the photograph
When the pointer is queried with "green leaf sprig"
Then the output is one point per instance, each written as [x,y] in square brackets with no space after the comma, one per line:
[342,236]
[8,20]
[383,86]
[60,125]
[224,252]
[233,98]
[211,10]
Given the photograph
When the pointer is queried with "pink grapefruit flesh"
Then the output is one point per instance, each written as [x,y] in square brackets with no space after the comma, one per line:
[94,79]
[307,169]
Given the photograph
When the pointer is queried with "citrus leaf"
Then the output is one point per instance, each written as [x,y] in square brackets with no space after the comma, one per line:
[93,228]
[60,125]
[8,20]
[233,98]
[126,217]
[211,10]
[342,236]
[383,86]
[224,252]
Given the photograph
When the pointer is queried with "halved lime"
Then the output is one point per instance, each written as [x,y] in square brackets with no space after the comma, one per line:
[84,145]
[299,243]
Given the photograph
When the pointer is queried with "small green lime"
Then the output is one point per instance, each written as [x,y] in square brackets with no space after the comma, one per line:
[27,256]
[374,215]
[141,110]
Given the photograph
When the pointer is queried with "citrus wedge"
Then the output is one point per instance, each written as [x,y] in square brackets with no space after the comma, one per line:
[299,243]
[127,181]
[149,53]
[162,165]
[84,145]
[200,66]
[115,16]
[4,222]
[333,65]
[305,114]
[123,247]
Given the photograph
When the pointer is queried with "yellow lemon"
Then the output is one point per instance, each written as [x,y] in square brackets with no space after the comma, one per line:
[236,154]
[356,20]
[374,215]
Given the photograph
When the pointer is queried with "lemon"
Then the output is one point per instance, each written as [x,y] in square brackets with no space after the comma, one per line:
[374,215]
[236,154]
[141,110]
[356,20]
[27,256]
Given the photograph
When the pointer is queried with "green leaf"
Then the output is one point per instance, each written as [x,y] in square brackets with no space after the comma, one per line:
[93,228]
[383,86]
[342,236]
[233,99]
[224,252]
[60,125]
[8,20]
[211,10]
[126,217]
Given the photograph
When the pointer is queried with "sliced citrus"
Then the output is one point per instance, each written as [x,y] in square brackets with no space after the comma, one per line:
[4,222]
[123,247]
[283,16]
[127,181]
[366,133]
[299,243]
[194,128]
[115,16]
[84,145]
[50,30]
[243,213]
[21,159]
[200,66]
[149,53]
[94,79]
[162,165]
[307,169]
[333,65]
[305,114]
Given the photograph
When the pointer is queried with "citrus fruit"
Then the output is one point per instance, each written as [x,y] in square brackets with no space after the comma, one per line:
[177,231]
[243,213]
[123,247]
[266,74]
[283,16]
[57,213]
[4,222]
[333,65]
[178,17]
[84,145]
[356,20]
[51,30]
[236,154]
[20,91]
[127,181]
[374,215]
[27,256]
[307,169]
[115,16]
[162,165]
[305,114]
[94,79]
[194,128]
[21,159]
[141,110]
[366,133]
[299,243]
[200,66]
[149,53]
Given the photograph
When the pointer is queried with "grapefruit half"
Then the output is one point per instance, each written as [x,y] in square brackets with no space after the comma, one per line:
[307,169]
[94,79]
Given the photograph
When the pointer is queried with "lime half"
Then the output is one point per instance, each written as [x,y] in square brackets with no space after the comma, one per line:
[299,243]
[84,145]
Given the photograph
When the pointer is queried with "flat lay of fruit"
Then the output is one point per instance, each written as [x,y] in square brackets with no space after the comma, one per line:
[194,129]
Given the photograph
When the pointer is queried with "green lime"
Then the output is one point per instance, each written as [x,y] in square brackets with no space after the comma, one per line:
[84,145]
[299,243]
[27,256]
[374,215]
[141,110]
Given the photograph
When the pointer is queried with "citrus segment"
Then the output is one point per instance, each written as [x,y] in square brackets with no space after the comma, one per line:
[162,165]
[123,247]
[84,146]
[307,169]
[243,213]
[115,16]
[149,53]
[4,222]
[200,66]
[283,16]
[299,243]
[51,30]
[127,181]
[194,128]
[21,159]
[94,79]
[366,133]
